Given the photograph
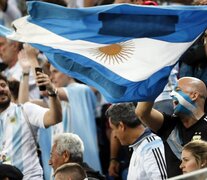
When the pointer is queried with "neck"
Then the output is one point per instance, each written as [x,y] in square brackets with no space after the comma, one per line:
[71,81]
[135,133]
[188,121]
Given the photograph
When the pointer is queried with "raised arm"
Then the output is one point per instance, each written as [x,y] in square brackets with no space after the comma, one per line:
[149,116]
[54,115]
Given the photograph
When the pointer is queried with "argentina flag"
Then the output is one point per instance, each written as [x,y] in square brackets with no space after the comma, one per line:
[125,51]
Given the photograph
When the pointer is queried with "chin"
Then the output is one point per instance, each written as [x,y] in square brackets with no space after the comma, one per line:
[5,104]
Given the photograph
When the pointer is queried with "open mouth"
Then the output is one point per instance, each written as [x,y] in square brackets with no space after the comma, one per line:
[175,102]
[3,96]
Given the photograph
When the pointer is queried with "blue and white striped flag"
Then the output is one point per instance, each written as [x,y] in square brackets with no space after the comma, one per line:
[125,51]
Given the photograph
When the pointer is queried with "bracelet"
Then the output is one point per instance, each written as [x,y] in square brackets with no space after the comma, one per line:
[53,93]
[114,159]
[25,74]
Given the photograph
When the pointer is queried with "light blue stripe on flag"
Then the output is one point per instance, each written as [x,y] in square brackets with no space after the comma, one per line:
[125,51]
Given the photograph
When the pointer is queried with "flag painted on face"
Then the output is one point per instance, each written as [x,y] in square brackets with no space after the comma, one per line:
[125,51]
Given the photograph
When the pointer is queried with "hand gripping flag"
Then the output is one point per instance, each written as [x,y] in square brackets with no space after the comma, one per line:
[125,51]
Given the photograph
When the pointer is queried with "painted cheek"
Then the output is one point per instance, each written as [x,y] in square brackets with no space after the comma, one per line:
[185,104]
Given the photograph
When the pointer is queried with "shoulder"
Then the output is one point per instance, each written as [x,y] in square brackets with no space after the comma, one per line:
[91,173]
[33,108]
[152,141]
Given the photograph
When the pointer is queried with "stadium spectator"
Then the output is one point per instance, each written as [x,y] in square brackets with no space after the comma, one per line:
[19,125]
[67,148]
[194,156]
[147,147]
[187,122]
[72,171]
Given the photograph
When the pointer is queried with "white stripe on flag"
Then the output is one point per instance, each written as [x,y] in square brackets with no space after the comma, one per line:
[134,64]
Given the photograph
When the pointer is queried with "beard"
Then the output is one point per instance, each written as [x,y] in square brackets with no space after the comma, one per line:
[5,104]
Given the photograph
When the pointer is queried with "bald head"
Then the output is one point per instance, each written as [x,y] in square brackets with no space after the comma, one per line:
[192,84]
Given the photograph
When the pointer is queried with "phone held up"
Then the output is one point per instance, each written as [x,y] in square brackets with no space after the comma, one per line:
[39,69]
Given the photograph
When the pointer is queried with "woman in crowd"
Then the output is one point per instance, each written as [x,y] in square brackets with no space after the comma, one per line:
[194,156]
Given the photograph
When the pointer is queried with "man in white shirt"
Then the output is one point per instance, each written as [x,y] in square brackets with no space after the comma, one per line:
[18,123]
[148,159]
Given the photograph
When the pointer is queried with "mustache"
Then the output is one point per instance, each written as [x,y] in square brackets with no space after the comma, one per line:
[3,93]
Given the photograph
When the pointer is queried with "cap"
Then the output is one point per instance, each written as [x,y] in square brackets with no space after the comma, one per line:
[10,171]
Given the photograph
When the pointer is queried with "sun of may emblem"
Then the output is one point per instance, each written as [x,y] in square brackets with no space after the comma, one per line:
[114,53]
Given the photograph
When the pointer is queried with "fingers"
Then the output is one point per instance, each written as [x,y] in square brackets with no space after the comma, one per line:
[113,169]
[43,79]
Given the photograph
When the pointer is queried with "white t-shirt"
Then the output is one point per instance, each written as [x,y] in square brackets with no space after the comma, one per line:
[16,140]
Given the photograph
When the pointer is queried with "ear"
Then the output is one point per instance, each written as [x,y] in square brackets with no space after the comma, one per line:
[203,164]
[194,95]
[15,45]
[122,126]
[66,156]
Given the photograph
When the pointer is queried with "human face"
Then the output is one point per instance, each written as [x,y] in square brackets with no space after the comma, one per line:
[58,78]
[118,132]
[5,95]
[6,51]
[183,104]
[189,163]
[56,160]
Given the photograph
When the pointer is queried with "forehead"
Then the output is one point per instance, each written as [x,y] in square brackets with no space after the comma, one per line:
[2,40]
[54,146]
[181,84]
[3,81]
[186,153]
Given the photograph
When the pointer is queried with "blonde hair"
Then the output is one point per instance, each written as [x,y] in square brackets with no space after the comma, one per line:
[198,149]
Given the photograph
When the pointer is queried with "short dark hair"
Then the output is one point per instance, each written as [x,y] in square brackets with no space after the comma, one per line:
[3,78]
[124,112]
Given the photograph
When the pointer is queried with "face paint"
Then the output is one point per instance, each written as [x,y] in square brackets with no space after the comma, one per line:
[183,103]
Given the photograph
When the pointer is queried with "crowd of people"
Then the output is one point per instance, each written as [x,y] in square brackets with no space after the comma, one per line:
[69,131]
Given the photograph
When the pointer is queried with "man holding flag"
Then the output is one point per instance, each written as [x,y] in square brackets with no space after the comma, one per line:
[189,121]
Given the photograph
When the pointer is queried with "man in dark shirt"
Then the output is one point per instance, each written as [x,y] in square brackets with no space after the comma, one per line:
[188,122]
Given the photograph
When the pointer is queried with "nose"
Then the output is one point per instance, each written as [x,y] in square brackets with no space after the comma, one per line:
[50,162]
[181,166]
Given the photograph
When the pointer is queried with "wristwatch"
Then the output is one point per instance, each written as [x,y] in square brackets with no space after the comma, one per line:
[53,93]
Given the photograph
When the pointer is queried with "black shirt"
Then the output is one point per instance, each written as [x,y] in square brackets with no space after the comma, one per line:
[175,135]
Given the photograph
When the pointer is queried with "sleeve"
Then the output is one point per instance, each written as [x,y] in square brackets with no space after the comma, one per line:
[155,163]
[167,126]
[35,114]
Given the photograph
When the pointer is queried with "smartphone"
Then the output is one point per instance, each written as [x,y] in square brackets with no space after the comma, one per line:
[39,69]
